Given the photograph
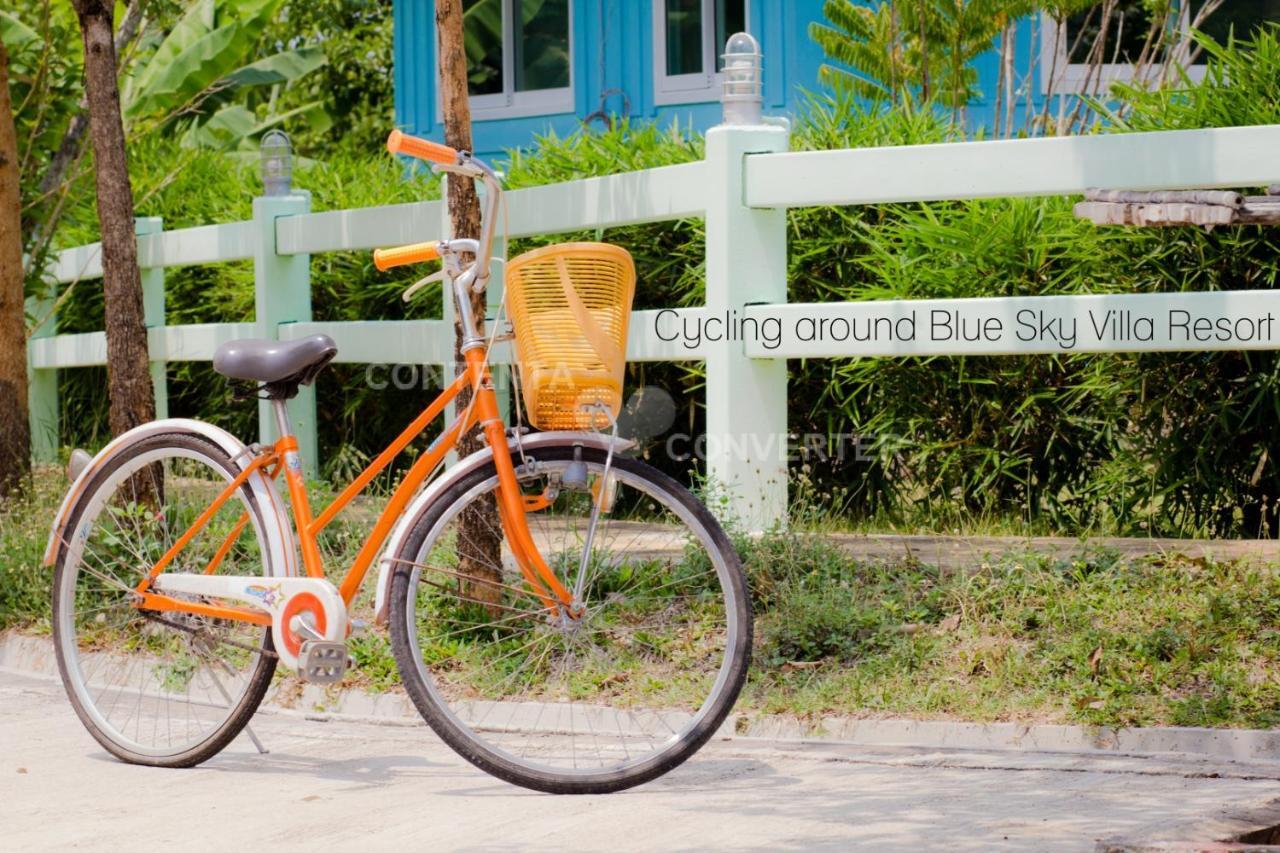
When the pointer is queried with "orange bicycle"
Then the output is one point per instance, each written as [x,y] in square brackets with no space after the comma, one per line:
[564,616]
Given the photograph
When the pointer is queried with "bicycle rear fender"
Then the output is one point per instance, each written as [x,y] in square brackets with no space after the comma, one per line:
[275,521]
[530,443]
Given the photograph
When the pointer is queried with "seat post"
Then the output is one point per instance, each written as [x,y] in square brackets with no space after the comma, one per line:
[280,406]
[302,517]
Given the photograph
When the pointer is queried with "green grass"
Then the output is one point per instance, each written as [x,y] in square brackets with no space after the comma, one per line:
[1093,639]
[24,530]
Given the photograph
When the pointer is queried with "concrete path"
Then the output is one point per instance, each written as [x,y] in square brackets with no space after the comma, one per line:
[343,785]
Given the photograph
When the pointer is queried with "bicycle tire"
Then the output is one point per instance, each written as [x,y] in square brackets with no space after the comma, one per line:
[494,762]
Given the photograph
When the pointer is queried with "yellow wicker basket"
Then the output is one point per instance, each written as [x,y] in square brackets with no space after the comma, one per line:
[570,305]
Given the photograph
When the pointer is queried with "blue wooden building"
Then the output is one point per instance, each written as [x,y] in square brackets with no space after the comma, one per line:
[537,65]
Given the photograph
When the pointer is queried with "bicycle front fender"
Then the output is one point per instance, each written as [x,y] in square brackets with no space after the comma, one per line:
[530,443]
[275,520]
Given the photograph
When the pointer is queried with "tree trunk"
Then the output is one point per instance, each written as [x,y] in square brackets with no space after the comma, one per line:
[479,544]
[1011,36]
[924,52]
[128,374]
[15,430]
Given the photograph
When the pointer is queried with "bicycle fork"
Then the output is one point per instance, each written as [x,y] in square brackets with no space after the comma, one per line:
[542,581]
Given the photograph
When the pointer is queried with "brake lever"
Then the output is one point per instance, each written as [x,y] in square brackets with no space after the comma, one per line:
[467,170]
[438,275]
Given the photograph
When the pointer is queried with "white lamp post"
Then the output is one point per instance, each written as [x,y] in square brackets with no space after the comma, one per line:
[742,96]
[277,163]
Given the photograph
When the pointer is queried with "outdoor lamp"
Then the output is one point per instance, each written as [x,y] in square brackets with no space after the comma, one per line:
[741,74]
[277,163]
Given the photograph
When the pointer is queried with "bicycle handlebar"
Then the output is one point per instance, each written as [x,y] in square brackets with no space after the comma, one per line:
[414,253]
[476,276]
[423,149]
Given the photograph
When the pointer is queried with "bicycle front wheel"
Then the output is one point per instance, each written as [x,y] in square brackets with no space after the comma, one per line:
[596,704]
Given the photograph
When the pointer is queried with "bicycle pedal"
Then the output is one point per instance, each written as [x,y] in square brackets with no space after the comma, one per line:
[321,662]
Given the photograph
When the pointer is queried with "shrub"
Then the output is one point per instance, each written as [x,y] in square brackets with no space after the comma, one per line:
[1168,444]
[1155,443]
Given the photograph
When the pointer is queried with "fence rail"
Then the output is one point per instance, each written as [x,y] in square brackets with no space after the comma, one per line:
[741,189]
[1064,165]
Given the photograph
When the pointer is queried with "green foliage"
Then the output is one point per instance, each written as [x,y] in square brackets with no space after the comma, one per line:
[909,49]
[819,625]
[193,76]
[877,59]
[375,663]
[1148,444]
[976,434]
[44,86]
[1172,444]
[196,77]
[1240,88]
[191,73]
[354,87]
[195,187]
[815,602]
[1091,638]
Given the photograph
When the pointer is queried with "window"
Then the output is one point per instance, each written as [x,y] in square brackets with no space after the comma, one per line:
[1065,56]
[1242,19]
[518,57]
[688,37]
[1127,31]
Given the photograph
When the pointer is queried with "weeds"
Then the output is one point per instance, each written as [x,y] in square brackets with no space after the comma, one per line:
[1092,639]
[25,517]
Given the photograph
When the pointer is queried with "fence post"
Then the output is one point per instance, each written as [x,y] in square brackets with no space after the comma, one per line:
[282,294]
[746,260]
[42,383]
[153,313]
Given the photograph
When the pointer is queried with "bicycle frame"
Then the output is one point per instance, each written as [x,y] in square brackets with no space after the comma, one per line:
[283,456]
[482,411]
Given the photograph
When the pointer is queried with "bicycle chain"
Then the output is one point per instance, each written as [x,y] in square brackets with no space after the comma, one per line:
[196,632]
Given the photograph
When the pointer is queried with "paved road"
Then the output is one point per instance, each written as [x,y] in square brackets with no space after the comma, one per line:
[358,786]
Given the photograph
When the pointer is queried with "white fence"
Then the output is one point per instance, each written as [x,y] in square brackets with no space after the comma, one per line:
[742,190]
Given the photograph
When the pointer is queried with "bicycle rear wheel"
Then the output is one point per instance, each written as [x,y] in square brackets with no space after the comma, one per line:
[598,704]
[163,689]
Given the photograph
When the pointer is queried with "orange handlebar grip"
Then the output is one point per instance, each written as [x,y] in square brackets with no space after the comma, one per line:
[423,149]
[415,253]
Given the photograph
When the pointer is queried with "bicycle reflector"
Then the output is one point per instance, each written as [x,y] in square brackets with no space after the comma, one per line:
[570,305]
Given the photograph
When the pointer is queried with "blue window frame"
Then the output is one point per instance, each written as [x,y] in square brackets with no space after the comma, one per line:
[688,36]
[519,57]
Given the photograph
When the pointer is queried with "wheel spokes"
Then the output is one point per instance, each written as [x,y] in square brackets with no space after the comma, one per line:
[146,679]
[609,689]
